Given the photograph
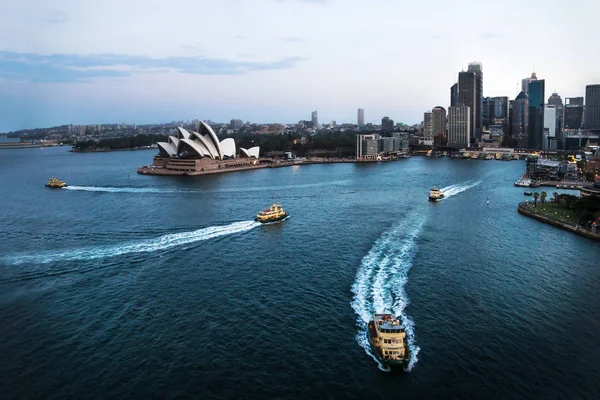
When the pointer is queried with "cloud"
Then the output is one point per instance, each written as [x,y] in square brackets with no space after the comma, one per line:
[74,67]
[57,17]
[303,1]
[294,39]
[488,35]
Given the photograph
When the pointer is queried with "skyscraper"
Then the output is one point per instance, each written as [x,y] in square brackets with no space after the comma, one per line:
[549,127]
[361,117]
[526,81]
[555,100]
[573,113]
[428,128]
[454,94]
[520,118]
[467,96]
[592,107]
[536,114]
[487,112]
[439,126]
[499,113]
[387,124]
[477,68]
[315,119]
[459,129]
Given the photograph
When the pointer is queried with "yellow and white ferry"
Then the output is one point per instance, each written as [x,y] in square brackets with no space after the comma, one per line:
[272,214]
[435,194]
[387,337]
[55,183]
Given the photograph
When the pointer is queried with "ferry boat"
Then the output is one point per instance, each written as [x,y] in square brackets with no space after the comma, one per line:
[272,214]
[387,337]
[55,183]
[435,194]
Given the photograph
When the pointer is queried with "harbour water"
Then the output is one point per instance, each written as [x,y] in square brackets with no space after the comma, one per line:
[132,286]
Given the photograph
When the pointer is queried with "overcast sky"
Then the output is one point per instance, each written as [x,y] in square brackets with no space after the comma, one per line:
[85,62]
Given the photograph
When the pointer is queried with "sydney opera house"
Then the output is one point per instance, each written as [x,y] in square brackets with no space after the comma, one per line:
[197,153]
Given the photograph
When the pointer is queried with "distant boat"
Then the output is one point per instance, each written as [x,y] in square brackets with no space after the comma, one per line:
[55,183]
[435,194]
[272,214]
[527,193]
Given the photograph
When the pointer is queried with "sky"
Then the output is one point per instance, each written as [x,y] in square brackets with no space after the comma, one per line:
[148,61]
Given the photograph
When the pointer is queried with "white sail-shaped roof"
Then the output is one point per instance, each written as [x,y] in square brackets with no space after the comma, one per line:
[182,133]
[228,147]
[206,143]
[196,146]
[251,152]
[174,141]
[213,136]
[167,148]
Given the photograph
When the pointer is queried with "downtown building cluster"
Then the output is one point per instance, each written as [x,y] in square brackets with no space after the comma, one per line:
[527,121]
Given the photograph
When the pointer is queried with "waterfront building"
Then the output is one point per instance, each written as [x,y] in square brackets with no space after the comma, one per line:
[314,117]
[367,146]
[459,126]
[401,142]
[526,81]
[477,68]
[387,144]
[361,118]
[520,119]
[549,142]
[454,94]
[467,96]
[387,124]
[592,108]
[439,126]
[536,114]
[428,128]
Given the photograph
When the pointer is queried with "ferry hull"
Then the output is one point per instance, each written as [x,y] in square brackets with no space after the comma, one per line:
[435,198]
[55,186]
[274,219]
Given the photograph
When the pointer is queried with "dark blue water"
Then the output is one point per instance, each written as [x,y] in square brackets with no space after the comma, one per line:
[130,286]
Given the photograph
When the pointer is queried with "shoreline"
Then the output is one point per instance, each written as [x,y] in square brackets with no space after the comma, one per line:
[524,209]
[150,170]
[110,150]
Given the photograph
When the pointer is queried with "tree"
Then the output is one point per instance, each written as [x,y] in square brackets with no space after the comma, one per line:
[536,195]
[543,197]
[555,196]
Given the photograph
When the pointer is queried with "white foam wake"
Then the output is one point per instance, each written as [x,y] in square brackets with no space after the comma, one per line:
[109,189]
[380,281]
[453,190]
[141,246]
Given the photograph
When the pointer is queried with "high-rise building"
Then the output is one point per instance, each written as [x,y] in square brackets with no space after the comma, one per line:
[467,96]
[314,117]
[592,108]
[520,118]
[439,126]
[387,124]
[487,112]
[476,67]
[499,113]
[510,117]
[573,113]
[536,114]
[361,117]
[428,128]
[367,146]
[526,81]
[236,124]
[549,142]
[454,94]
[459,129]
[555,100]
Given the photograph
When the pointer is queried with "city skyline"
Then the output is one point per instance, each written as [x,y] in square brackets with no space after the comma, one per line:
[75,63]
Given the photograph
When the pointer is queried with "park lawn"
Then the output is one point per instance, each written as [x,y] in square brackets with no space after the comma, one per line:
[556,212]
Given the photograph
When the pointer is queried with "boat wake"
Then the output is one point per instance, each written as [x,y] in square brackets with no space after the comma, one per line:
[109,189]
[141,246]
[453,190]
[380,281]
